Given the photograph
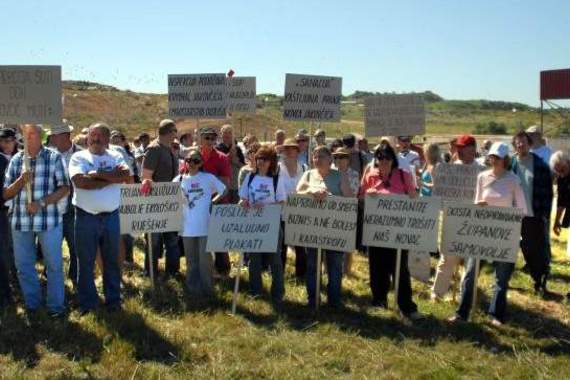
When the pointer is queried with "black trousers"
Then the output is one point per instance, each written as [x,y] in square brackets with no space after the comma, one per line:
[300,256]
[533,247]
[5,291]
[382,264]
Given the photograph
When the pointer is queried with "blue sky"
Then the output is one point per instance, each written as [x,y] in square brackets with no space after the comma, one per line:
[458,49]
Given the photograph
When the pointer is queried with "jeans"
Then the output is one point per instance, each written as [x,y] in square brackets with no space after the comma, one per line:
[129,242]
[277,280]
[7,244]
[170,240]
[382,263]
[498,306]
[92,231]
[25,256]
[199,266]
[333,261]
[69,236]
[300,257]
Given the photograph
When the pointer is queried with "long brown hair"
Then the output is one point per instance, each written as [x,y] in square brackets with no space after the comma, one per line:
[269,152]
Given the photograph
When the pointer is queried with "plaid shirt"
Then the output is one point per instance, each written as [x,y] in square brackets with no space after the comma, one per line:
[541,186]
[48,175]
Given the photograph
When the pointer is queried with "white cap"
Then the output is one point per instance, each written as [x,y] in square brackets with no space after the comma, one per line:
[533,129]
[499,149]
[62,128]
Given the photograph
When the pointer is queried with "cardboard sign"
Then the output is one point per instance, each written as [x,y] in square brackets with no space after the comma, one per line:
[197,96]
[327,224]
[30,95]
[396,221]
[394,115]
[241,95]
[455,182]
[237,229]
[312,98]
[483,232]
[160,211]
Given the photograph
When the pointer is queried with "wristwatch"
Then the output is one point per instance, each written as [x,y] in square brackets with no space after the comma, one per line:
[42,203]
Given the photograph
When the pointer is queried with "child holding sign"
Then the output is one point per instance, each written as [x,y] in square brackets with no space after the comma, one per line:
[198,187]
[262,187]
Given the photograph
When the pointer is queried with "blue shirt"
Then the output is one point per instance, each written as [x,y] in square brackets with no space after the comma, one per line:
[48,175]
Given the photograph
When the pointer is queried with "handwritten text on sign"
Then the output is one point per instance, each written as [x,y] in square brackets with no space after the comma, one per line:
[241,94]
[327,224]
[394,115]
[396,221]
[234,228]
[455,181]
[30,94]
[197,96]
[312,98]
[161,211]
[487,233]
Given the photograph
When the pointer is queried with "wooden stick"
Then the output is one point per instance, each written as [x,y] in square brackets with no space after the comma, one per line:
[27,167]
[474,304]
[151,262]
[397,277]
[319,268]
[236,285]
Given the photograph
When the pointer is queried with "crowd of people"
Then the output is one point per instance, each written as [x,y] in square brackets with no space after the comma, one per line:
[59,188]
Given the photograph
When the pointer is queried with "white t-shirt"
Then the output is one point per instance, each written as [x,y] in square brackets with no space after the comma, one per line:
[261,190]
[107,199]
[198,191]
[408,159]
[290,183]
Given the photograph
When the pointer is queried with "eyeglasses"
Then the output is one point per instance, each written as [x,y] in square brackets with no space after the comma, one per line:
[194,160]
[340,158]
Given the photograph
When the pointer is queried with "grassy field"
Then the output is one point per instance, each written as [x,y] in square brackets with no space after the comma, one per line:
[164,334]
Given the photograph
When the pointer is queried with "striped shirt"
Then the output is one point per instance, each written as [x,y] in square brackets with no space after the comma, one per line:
[48,175]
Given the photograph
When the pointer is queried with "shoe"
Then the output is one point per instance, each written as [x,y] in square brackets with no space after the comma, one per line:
[380,304]
[57,315]
[415,316]
[31,317]
[495,322]
[434,298]
[115,308]
[456,319]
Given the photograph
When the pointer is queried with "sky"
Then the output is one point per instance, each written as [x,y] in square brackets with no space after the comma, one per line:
[459,49]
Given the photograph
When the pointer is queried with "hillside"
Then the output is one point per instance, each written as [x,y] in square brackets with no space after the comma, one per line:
[132,112]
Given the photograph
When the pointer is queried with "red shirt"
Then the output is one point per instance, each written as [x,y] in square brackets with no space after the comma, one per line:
[217,163]
[400,182]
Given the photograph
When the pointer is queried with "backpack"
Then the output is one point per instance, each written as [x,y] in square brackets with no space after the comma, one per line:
[274,177]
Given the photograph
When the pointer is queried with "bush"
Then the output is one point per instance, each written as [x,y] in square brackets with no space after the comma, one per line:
[491,128]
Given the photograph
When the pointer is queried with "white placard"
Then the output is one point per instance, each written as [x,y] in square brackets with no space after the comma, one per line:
[312,98]
[396,221]
[327,224]
[160,211]
[483,232]
[197,96]
[30,95]
[237,229]
[394,115]
[241,95]
[455,182]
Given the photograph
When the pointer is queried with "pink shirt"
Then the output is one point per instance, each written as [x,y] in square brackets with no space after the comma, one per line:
[400,182]
[504,191]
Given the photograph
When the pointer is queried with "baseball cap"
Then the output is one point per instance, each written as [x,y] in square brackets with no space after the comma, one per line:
[465,140]
[499,149]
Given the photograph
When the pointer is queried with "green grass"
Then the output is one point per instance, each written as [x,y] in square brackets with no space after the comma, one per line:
[165,334]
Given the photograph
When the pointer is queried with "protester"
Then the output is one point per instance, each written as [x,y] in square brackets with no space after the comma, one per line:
[279,137]
[365,149]
[433,158]
[229,146]
[451,156]
[260,188]
[538,145]
[7,143]
[536,181]
[161,165]
[320,137]
[321,182]
[408,158]
[198,189]
[357,160]
[560,165]
[248,140]
[37,181]
[501,188]
[61,140]
[140,151]
[302,139]
[387,178]
[218,164]
[290,172]
[249,162]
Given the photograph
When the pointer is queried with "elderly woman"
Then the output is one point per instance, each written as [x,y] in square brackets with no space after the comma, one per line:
[321,182]
[560,165]
[387,178]
[501,188]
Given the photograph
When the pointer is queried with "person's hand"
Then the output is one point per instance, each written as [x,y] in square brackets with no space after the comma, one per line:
[33,208]
[557,228]
[482,203]
[319,194]
[245,203]
[371,191]
[146,187]
[25,177]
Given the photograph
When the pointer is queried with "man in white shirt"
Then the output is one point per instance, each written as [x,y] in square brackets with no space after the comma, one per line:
[97,174]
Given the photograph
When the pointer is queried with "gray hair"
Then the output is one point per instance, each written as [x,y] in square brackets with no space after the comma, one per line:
[101,126]
[38,127]
[558,158]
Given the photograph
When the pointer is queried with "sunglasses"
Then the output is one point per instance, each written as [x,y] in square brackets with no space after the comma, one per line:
[195,160]
[381,157]
[340,158]
[209,138]
[262,158]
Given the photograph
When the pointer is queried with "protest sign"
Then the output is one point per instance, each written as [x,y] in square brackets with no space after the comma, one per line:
[455,182]
[327,224]
[397,221]
[235,228]
[197,96]
[30,94]
[312,98]
[394,115]
[482,232]
[241,94]
[160,211]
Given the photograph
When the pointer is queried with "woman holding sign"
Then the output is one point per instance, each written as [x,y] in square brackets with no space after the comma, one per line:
[387,178]
[321,182]
[263,187]
[198,187]
[495,187]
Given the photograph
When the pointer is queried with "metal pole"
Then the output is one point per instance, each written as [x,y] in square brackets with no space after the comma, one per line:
[151,261]
[397,276]
[319,267]
[474,304]
[541,117]
[236,285]
[26,168]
